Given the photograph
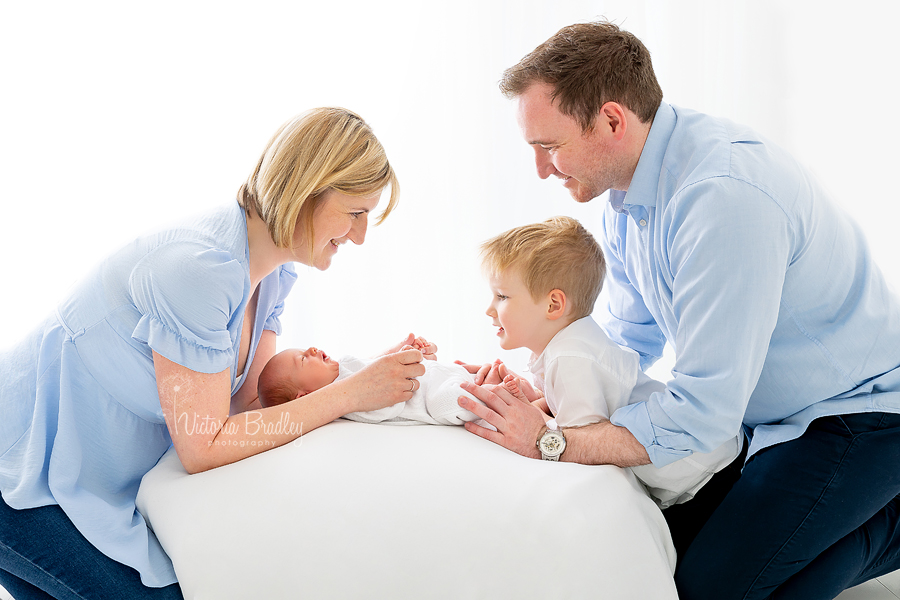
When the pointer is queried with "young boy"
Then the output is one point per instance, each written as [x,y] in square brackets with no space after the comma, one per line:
[294,373]
[545,279]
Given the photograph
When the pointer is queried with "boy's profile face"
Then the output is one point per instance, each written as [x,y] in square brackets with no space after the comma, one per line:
[307,370]
[519,316]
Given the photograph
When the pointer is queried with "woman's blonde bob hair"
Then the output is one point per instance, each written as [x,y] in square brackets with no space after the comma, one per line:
[322,149]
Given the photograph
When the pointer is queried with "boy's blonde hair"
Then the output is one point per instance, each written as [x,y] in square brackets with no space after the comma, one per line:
[558,253]
[325,148]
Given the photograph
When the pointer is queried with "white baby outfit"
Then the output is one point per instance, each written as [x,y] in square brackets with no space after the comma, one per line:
[433,403]
[586,377]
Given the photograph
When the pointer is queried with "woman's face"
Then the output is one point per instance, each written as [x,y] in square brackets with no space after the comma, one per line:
[337,218]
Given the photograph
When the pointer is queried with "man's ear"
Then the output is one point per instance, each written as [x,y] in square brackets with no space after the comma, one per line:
[557,304]
[300,394]
[612,117]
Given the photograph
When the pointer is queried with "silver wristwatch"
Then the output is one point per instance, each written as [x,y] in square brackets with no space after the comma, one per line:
[552,441]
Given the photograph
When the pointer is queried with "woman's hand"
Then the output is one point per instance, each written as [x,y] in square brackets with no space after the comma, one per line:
[388,380]
[427,349]
[407,341]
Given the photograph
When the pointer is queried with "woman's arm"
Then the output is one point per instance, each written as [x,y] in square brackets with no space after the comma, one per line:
[196,407]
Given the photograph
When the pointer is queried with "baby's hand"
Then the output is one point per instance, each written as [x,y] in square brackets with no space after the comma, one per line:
[428,350]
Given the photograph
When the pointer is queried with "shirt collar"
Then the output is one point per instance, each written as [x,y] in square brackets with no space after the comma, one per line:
[645,182]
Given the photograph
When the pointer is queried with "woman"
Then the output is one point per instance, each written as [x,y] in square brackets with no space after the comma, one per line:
[163,344]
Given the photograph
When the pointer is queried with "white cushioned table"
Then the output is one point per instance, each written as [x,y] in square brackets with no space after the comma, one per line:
[352,510]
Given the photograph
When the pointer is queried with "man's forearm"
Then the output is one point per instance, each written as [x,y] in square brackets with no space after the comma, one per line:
[603,444]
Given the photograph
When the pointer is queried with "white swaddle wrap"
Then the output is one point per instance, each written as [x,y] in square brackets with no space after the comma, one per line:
[434,403]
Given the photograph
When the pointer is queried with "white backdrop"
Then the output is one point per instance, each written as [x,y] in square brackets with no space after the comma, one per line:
[120,117]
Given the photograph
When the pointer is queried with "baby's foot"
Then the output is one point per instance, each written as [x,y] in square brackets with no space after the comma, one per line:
[512,386]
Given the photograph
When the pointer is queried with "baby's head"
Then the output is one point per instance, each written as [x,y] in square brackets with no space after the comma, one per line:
[294,373]
[544,276]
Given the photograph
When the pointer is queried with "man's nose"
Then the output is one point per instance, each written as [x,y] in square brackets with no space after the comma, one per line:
[543,163]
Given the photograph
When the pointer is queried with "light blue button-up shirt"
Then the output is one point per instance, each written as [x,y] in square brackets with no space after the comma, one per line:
[725,247]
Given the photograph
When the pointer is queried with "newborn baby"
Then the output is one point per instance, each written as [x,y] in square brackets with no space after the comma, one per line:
[294,373]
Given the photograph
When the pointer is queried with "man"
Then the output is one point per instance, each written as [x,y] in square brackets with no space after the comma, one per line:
[722,245]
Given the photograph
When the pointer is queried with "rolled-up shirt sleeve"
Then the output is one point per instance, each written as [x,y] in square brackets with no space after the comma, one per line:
[727,247]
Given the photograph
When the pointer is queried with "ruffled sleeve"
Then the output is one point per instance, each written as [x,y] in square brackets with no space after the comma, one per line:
[188,295]
[286,280]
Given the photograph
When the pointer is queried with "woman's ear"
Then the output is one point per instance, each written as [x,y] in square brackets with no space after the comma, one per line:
[556,307]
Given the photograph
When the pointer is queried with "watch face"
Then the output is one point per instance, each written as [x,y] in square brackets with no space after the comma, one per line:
[553,443]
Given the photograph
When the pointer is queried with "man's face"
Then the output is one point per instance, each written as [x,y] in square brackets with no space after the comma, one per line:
[587,163]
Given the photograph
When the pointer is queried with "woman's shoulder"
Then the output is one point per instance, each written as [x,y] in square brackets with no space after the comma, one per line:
[223,229]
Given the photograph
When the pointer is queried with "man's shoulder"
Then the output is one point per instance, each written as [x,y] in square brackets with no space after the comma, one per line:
[699,148]
[714,150]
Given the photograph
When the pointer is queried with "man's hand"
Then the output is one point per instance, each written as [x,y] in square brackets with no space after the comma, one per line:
[518,423]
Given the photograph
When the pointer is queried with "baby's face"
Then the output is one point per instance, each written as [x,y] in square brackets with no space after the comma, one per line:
[308,369]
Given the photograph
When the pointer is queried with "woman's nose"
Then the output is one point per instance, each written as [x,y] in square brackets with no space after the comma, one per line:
[357,233]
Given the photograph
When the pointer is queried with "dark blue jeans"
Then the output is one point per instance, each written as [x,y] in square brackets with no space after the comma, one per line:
[804,520]
[43,556]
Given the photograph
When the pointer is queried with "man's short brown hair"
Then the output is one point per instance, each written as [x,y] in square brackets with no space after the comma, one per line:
[588,65]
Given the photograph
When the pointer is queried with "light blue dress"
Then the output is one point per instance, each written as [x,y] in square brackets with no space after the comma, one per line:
[81,419]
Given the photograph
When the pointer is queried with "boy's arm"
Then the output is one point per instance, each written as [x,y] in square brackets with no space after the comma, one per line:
[541,403]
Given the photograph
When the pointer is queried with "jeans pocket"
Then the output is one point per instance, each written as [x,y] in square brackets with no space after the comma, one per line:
[859,423]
